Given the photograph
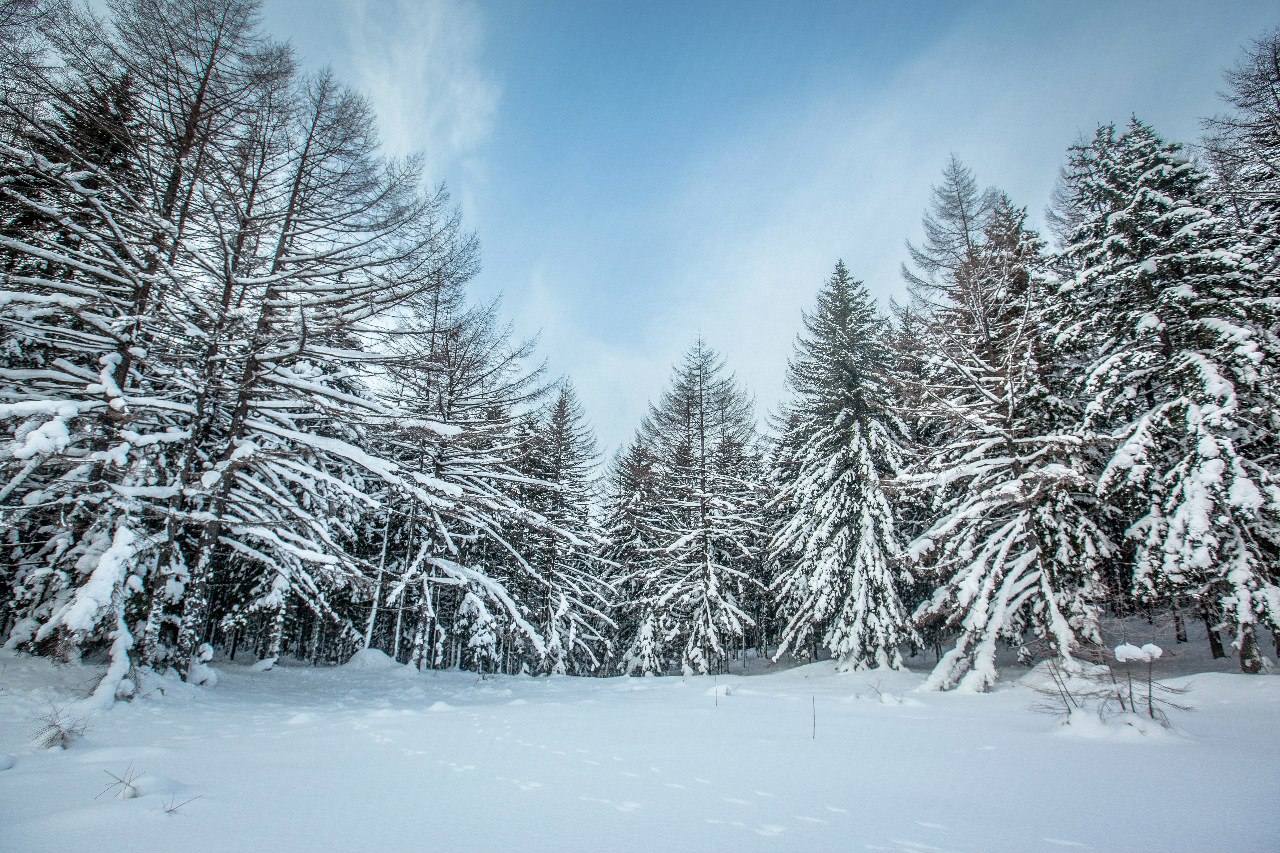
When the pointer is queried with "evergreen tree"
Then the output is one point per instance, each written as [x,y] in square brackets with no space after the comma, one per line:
[837,545]
[633,530]
[563,462]
[1174,325]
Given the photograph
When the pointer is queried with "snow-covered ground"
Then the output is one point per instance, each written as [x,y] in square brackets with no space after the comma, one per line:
[373,756]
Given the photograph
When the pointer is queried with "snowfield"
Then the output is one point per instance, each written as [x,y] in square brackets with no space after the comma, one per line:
[375,756]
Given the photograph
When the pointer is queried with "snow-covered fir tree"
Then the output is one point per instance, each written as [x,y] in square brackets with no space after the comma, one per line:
[632,531]
[837,545]
[1173,321]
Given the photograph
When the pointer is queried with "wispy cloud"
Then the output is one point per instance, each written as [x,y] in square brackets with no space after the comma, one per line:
[422,67]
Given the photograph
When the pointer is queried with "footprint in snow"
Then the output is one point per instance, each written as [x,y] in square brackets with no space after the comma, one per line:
[626,806]
[914,845]
[523,786]
[457,768]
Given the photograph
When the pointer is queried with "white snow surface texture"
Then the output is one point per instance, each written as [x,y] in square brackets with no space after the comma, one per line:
[375,756]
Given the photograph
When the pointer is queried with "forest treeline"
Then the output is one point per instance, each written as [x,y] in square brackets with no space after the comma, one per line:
[249,408]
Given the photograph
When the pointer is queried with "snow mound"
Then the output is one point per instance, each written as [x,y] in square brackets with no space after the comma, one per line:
[152,784]
[372,659]
[7,761]
[1126,652]
[168,684]
[202,674]
[1128,727]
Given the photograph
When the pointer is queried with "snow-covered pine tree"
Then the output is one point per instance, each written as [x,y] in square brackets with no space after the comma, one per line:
[837,542]
[1174,324]
[573,616]
[632,529]
[706,516]
[1014,546]
[206,312]
[341,237]
[88,443]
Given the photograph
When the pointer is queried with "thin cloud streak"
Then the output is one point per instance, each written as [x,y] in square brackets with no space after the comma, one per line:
[421,66]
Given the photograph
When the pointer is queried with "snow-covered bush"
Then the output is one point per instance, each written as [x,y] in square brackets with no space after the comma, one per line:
[59,728]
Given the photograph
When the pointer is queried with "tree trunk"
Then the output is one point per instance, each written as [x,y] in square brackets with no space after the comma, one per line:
[195,608]
[377,587]
[1215,642]
[275,636]
[1250,655]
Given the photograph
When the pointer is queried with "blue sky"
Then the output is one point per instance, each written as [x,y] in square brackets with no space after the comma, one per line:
[640,173]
